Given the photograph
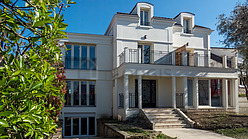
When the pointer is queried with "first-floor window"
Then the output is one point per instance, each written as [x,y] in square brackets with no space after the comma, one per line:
[79,126]
[80,93]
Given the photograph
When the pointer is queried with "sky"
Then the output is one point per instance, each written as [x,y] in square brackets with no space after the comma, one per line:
[94,16]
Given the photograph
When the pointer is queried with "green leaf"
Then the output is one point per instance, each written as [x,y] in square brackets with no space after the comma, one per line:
[5,113]
[36,85]
[4,123]
[4,137]
[1,107]
[16,73]
[28,134]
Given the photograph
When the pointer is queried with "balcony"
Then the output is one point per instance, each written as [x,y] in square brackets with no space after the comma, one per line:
[82,63]
[138,56]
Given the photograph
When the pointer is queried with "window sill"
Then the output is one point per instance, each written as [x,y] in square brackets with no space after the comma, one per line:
[187,34]
[141,26]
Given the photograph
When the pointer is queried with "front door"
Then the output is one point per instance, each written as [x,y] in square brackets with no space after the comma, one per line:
[148,93]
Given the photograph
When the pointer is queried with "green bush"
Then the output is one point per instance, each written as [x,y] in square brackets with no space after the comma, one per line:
[31,77]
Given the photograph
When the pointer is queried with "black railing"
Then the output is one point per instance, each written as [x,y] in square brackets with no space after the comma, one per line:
[121,100]
[83,63]
[133,100]
[179,100]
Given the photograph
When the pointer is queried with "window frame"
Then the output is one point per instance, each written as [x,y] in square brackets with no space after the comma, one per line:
[80,116]
[88,57]
[187,27]
[80,93]
[143,22]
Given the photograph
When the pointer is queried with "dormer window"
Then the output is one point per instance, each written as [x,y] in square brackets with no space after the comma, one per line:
[186,27]
[144,18]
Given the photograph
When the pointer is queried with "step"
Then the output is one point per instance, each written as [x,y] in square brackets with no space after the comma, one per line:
[157,120]
[169,122]
[163,116]
[161,126]
[158,110]
[167,112]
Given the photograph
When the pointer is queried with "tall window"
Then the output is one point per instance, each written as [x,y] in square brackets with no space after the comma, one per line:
[145,54]
[144,18]
[186,26]
[76,126]
[80,57]
[80,93]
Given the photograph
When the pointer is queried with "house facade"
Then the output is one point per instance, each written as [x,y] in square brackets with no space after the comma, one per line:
[143,61]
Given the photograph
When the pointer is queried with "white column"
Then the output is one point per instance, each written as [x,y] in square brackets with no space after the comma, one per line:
[195,93]
[139,55]
[234,62]
[140,92]
[174,92]
[126,95]
[196,60]
[225,93]
[224,61]
[185,83]
[115,99]
[126,55]
[236,94]
[173,58]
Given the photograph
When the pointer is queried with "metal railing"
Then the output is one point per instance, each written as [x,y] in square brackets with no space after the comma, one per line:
[179,100]
[121,100]
[133,100]
[83,63]
[163,58]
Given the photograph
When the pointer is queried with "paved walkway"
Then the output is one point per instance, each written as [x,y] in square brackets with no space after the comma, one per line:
[191,133]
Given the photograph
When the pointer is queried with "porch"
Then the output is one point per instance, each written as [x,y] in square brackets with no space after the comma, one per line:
[134,92]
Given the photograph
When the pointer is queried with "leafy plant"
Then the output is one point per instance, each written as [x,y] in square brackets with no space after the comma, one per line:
[31,76]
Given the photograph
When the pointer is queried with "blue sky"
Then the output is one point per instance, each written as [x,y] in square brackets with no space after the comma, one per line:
[94,16]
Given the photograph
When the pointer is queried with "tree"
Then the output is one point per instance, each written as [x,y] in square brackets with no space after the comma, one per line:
[234,28]
[32,83]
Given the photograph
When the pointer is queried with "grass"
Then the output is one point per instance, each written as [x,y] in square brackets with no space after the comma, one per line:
[242,95]
[138,131]
[238,133]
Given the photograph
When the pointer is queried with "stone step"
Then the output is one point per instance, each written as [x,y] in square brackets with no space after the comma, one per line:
[163,116]
[161,126]
[168,121]
[243,104]
[158,112]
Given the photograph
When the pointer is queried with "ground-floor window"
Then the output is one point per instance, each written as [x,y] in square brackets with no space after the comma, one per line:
[78,126]
[216,92]
[203,88]
[80,93]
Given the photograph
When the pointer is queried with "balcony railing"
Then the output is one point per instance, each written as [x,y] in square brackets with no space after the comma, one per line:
[133,100]
[83,63]
[163,58]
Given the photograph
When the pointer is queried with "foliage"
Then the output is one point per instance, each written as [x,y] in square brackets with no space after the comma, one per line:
[235,30]
[238,133]
[31,77]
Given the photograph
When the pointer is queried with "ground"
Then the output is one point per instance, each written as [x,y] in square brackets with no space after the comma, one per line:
[226,123]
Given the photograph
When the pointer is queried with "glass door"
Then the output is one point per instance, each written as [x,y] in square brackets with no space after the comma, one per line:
[203,87]
[145,53]
[148,93]
[190,92]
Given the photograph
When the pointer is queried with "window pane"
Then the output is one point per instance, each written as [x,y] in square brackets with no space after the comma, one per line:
[68,57]
[91,125]
[76,92]
[203,92]
[68,93]
[92,60]
[141,18]
[83,93]
[216,92]
[146,54]
[146,18]
[76,57]
[92,93]
[67,126]
[83,126]
[84,57]
[75,126]
[190,92]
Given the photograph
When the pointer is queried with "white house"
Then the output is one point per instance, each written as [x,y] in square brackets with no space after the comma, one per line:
[143,61]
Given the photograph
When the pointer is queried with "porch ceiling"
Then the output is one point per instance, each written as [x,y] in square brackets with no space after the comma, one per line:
[170,70]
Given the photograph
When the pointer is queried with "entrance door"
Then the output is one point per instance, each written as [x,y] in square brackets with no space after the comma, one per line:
[148,93]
